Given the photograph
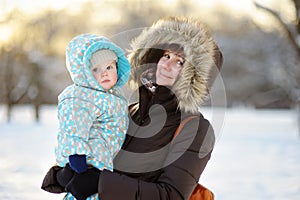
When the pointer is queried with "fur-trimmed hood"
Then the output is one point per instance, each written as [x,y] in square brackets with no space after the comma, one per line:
[202,57]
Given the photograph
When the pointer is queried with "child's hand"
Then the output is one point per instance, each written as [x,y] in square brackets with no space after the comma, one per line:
[78,163]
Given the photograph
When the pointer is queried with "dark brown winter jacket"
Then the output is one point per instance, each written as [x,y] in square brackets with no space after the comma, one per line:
[151,165]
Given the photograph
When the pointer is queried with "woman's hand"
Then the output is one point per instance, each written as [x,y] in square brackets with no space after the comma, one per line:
[65,175]
[84,184]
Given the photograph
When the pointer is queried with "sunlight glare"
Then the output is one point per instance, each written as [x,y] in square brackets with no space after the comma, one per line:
[6,32]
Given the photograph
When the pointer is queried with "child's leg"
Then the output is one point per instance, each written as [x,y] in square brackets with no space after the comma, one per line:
[70,197]
[93,197]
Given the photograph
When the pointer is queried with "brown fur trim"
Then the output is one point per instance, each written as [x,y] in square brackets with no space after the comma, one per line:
[202,56]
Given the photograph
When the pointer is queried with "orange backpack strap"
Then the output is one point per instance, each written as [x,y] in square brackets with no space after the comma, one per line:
[200,192]
[181,125]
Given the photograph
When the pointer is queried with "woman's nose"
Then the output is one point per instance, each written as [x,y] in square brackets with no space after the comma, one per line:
[168,64]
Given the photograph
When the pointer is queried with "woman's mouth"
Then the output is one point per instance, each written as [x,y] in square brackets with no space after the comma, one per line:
[165,76]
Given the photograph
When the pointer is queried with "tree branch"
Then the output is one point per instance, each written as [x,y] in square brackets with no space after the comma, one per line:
[290,35]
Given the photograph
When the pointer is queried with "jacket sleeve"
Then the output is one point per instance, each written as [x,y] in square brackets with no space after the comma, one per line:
[76,118]
[184,165]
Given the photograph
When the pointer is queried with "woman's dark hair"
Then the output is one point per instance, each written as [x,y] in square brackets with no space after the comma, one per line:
[156,52]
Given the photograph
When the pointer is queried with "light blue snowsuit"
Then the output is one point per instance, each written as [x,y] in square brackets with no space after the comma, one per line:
[92,121]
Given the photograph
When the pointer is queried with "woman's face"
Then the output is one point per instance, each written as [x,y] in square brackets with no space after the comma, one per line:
[168,68]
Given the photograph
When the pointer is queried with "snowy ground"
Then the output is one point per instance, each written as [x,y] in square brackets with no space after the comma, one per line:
[257,156]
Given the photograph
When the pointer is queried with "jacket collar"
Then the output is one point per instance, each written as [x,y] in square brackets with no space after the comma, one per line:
[162,96]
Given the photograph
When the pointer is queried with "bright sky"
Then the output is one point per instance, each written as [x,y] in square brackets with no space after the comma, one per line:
[236,8]
[36,5]
[31,6]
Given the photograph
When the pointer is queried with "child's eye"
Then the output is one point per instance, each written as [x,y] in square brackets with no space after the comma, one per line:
[109,67]
[95,70]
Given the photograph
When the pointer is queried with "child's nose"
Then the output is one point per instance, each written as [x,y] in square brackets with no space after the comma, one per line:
[104,72]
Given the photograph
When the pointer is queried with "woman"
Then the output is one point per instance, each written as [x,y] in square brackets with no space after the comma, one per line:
[173,64]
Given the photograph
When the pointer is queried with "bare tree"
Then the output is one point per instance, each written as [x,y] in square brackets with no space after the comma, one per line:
[16,80]
[30,50]
[292,33]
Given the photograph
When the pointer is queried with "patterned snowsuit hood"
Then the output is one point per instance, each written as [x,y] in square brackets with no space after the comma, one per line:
[203,59]
[79,53]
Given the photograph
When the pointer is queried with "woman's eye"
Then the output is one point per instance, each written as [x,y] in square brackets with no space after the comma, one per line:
[179,62]
[166,55]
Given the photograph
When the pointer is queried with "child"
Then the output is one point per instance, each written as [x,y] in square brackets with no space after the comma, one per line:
[92,114]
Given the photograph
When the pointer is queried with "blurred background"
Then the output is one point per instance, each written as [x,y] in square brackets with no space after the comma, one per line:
[259,39]
[257,156]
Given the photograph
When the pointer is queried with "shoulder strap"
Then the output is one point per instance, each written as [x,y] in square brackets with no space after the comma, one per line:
[200,192]
[181,125]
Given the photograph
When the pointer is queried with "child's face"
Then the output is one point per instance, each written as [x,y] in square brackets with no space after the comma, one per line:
[106,74]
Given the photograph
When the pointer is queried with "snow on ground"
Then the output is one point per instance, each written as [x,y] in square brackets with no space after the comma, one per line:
[257,155]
